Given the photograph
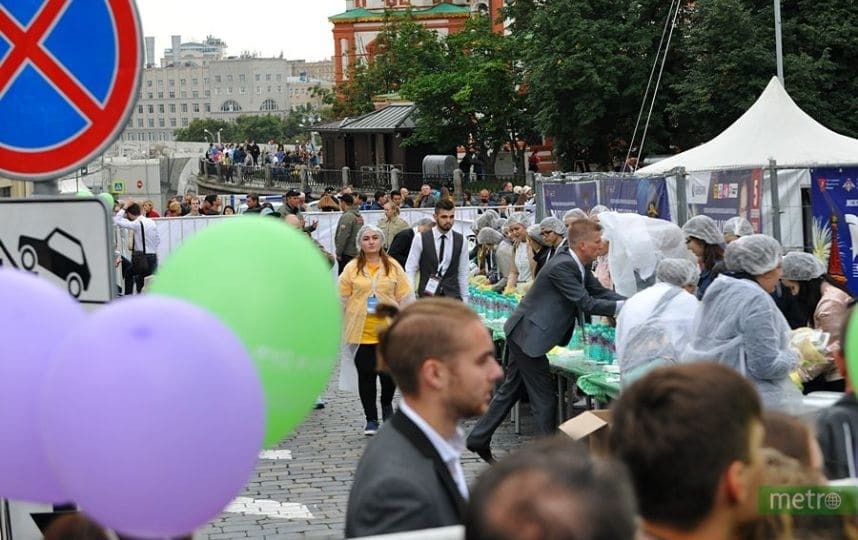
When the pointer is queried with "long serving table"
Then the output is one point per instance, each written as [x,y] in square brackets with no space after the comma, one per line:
[597,381]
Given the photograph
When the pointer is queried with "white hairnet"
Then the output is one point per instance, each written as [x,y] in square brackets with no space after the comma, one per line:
[365,229]
[575,213]
[487,235]
[638,243]
[521,218]
[535,233]
[755,254]
[486,219]
[551,223]
[738,226]
[703,228]
[800,266]
[679,272]
[598,209]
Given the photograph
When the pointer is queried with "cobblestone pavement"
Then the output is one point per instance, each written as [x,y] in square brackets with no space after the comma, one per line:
[300,489]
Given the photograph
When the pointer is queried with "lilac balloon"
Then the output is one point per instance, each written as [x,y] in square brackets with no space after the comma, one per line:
[154,431]
[34,316]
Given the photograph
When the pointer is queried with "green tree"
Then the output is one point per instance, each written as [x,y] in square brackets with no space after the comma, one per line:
[196,130]
[473,98]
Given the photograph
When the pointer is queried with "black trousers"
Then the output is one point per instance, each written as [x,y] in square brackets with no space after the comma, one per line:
[365,362]
[344,260]
[131,279]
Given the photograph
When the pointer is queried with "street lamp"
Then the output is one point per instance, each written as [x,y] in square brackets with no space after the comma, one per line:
[209,133]
[218,135]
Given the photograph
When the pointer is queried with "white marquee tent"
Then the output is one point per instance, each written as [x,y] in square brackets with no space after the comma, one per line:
[773,128]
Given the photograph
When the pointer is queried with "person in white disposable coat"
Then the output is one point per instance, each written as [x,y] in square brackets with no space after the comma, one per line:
[655,324]
[738,323]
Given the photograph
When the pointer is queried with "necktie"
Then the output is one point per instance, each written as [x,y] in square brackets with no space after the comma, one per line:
[441,252]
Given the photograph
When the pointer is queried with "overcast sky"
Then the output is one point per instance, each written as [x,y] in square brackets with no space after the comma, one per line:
[298,28]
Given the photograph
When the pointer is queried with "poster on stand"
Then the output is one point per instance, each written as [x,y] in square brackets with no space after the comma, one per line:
[834,199]
[560,198]
[644,196]
[722,195]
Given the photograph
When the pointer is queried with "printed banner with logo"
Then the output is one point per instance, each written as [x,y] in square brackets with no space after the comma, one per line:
[722,195]
[834,198]
[644,196]
[560,198]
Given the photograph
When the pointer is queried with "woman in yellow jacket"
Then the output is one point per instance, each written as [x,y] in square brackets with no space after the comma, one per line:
[370,279]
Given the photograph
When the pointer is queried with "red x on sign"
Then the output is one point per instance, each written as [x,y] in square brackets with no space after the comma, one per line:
[31,150]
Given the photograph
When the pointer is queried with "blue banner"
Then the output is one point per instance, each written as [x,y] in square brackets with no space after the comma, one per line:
[722,195]
[834,198]
[560,198]
[644,196]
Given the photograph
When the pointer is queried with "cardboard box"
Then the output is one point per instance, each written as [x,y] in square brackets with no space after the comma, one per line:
[595,426]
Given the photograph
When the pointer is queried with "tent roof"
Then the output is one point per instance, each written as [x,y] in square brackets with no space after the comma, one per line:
[773,128]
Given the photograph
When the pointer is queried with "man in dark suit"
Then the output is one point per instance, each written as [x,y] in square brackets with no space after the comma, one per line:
[409,478]
[564,291]
[400,246]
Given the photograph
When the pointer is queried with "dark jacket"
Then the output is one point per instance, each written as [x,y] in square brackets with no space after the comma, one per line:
[837,432]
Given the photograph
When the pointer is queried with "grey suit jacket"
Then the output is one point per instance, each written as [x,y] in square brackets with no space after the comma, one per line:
[546,315]
[401,484]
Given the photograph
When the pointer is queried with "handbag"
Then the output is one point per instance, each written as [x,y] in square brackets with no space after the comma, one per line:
[139,262]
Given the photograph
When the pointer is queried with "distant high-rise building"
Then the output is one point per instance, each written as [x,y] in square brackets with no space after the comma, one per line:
[150,52]
[193,52]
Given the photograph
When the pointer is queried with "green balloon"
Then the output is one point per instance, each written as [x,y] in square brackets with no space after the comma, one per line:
[272,286]
[84,193]
[108,198]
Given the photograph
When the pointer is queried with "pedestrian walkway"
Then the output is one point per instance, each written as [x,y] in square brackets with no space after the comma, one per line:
[301,488]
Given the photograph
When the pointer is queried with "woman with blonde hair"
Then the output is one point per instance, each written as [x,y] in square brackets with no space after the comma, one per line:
[523,265]
[370,279]
[174,209]
[391,223]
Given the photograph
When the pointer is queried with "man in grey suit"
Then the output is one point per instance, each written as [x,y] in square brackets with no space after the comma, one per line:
[564,291]
[410,476]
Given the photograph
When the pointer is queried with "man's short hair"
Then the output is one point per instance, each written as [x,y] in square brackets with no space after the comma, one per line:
[292,193]
[254,196]
[395,193]
[444,204]
[581,229]
[347,198]
[133,209]
[677,430]
[379,194]
[551,489]
[429,328]
[211,198]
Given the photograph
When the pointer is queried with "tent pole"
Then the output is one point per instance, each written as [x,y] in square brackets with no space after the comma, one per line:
[776,200]
[681,197]
[779,55]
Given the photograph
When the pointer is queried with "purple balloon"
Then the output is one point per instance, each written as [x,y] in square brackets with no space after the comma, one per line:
[34,317]
[156,429]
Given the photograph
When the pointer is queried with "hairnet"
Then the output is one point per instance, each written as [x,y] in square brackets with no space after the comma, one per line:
[598,209]
[738,226]
[679,272]
[487,235]
[425,222]
[551,223]
[800,266]
[521,218]
[755,254]
[485,220]
[535,233]
[575,213]
[703,228]
[365,229]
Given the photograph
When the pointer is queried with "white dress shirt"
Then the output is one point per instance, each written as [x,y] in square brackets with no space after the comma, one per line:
[584,279]
[153,239]
[450,450]
[412,265]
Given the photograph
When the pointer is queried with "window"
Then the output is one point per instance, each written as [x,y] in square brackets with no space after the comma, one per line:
[140,122]
[160,122]
[171,82]
[196,107]
[149,95]
[279,89]
[269,89]
[184,107]
[195,94]
[195,82]
[217,79]
[160,95]
[172,94]
[208,107]
[172,122]
[140,109]
[217,91]
[268,105]
[230,106]
[161,108]
[257,76]
[172,107]
[241,77]
[149,83]
[258,89]
[184,94]
[242,90]
[229,90]
[183,82]
[160,83]
[151,122]
[267,76]
[208,93]
[151,109]
[206,81]
[185,122]
[229,77]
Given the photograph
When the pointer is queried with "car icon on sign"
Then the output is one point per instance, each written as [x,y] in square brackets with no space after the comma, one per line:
[59,253]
